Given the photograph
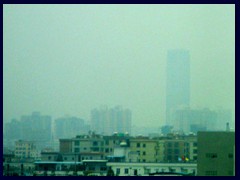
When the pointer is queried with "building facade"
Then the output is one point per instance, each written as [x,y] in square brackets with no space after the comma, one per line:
[216,153]
[26,149]
[145,169]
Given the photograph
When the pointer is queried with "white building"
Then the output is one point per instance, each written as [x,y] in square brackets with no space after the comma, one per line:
[143,169]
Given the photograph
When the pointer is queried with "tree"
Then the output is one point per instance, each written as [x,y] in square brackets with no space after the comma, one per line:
[110,172]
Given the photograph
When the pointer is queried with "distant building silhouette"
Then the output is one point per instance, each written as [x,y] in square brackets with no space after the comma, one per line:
[194,120]
[34,127]
[177,83]
[107,121]
[66,127]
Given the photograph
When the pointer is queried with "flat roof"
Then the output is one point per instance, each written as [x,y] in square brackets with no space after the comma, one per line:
[56,162]
[94,160]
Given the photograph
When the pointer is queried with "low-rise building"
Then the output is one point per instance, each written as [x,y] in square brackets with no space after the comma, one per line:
[145,169]
[26,149]
[145,147]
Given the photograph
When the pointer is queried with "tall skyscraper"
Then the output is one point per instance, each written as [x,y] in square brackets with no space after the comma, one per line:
[178,82]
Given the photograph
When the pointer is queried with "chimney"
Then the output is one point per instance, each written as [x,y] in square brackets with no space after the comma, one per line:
[227,127]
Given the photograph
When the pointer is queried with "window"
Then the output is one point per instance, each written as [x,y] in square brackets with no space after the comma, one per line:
[103,168]
[107,142]
[172,170]
[195,151]
[146,171]
[211,155]
[92,168]
[230,155]
[169,158]
[135,172]
[49,157]
[176,151]
[138,144]
[195,144]
[95,149]
[144,145]
[126,171]
[76,150]
[211,173]
[118,171]
[144,160]
[95,143]
[76,143]
[144,153]
[169,144]
[106,150]
[184,170]
[65,158]
[176,144]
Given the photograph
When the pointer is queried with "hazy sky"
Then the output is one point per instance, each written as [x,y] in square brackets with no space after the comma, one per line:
[69,59]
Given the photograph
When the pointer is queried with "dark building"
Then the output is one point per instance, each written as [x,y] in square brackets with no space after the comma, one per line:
[216,153]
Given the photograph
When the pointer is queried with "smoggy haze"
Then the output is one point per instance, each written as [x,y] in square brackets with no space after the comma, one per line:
[69,59]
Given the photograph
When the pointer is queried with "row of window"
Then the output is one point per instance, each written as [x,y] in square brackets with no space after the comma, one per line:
[146,171]
[96,143]
[23,148]
[139,145]
[177,144]
[22,153]
[215,155]
[211,173]
[107,150]
[103,168]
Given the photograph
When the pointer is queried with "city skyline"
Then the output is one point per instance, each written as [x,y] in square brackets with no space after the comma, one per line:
[113,55]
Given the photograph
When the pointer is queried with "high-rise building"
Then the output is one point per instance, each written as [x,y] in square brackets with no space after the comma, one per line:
[107,121]
[178,82]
